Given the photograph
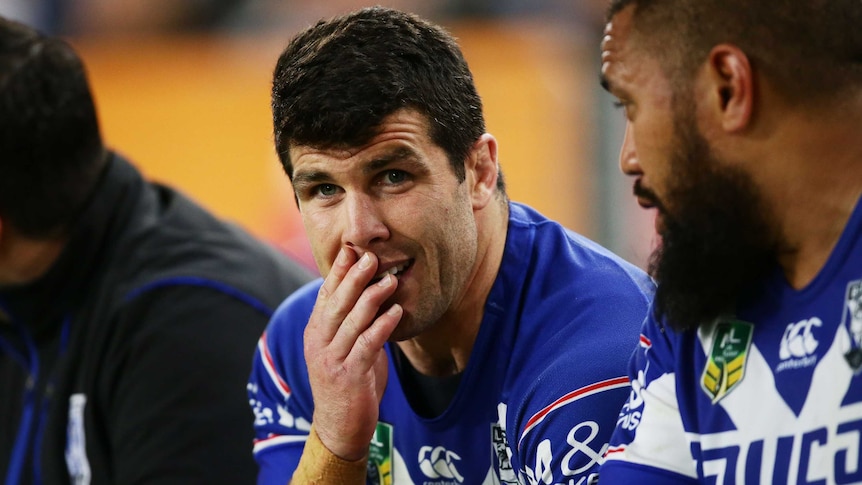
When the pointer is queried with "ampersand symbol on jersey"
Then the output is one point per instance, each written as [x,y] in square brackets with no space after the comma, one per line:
[582,447]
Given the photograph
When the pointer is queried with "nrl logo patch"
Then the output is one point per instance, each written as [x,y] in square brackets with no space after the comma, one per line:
[726,365]
[379,468]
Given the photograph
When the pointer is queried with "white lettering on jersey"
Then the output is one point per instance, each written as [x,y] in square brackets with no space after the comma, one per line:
[578,447]
[582,447]
[630,415]
[262,415]
[801,458]
[542,473]
[288,420]
[773,443]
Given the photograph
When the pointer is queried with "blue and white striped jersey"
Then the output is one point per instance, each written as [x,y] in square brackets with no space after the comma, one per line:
[772,396]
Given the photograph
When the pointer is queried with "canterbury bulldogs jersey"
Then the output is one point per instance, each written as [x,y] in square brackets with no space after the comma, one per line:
[539,397]
[771,396]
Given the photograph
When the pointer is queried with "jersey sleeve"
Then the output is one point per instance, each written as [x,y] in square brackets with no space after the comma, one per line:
[564,441]
[649,444]
[565,422]
[280,396]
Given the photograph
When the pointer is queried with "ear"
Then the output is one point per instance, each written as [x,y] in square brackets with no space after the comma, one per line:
[731,86]
[482,171]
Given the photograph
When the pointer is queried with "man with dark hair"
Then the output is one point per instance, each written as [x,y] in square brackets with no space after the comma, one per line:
[743,133]
[457,337]
[128,315]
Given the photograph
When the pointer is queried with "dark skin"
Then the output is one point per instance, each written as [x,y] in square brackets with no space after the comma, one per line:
[749,127]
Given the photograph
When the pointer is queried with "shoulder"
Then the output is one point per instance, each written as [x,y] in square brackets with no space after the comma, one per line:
[572,261]
[190,311]
[183,245]
[571,289]
[290,318]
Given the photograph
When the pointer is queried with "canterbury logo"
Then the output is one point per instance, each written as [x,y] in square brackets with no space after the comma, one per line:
[439,463]
[798,341]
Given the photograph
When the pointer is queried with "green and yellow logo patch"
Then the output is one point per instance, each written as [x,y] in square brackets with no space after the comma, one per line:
[380,455]
[726,365]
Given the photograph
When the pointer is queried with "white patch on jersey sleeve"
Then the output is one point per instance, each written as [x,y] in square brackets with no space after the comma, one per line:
[660,439]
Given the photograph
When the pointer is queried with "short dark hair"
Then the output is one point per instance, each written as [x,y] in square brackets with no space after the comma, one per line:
[51,146]
[336,82]
[809,49]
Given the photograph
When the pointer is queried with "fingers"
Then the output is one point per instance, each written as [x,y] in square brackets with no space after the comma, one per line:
[342,264]
[363,317]
[366,327]
[347,305]
[344,353]
[368,344]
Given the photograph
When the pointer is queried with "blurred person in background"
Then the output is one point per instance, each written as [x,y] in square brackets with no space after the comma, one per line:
[135,17]
[743,133]
[456,337]
[126,17]
[128,314]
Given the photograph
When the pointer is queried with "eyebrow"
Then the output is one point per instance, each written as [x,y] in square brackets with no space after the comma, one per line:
[302,179]
[401,154]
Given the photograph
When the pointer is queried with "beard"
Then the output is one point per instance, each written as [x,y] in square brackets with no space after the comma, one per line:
[717,238]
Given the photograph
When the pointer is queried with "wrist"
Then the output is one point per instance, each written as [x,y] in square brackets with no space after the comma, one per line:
[318,465]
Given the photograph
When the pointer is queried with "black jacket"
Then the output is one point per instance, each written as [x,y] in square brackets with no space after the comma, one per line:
[127,362]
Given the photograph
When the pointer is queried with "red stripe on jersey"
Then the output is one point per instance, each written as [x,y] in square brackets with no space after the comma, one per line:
[270,367]
[571,397]
[618,449]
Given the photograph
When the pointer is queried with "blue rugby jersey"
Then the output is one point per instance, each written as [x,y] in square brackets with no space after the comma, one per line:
[771,396]
[538,399]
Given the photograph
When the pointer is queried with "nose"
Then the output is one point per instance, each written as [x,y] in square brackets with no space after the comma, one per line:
[364,222]
[628,154]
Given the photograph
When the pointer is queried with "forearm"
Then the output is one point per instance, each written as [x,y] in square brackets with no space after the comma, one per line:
[318,466]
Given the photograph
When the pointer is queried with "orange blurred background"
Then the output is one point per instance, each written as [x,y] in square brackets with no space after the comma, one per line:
[192,110]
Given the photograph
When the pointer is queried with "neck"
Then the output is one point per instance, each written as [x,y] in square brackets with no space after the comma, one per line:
[817,184]
[445,348]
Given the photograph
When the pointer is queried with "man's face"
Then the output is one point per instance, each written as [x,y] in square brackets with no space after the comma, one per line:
[398,198]
[716,236]
[646,96]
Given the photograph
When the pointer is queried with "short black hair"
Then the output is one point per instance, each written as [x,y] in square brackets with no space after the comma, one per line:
[336,82]
[809,49]
[52,149]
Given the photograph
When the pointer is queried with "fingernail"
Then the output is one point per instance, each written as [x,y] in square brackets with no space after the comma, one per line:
[394,309]
[341,259]
[365,261]
[385,281]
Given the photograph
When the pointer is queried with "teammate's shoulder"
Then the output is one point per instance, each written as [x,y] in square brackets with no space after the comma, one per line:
[564,249]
